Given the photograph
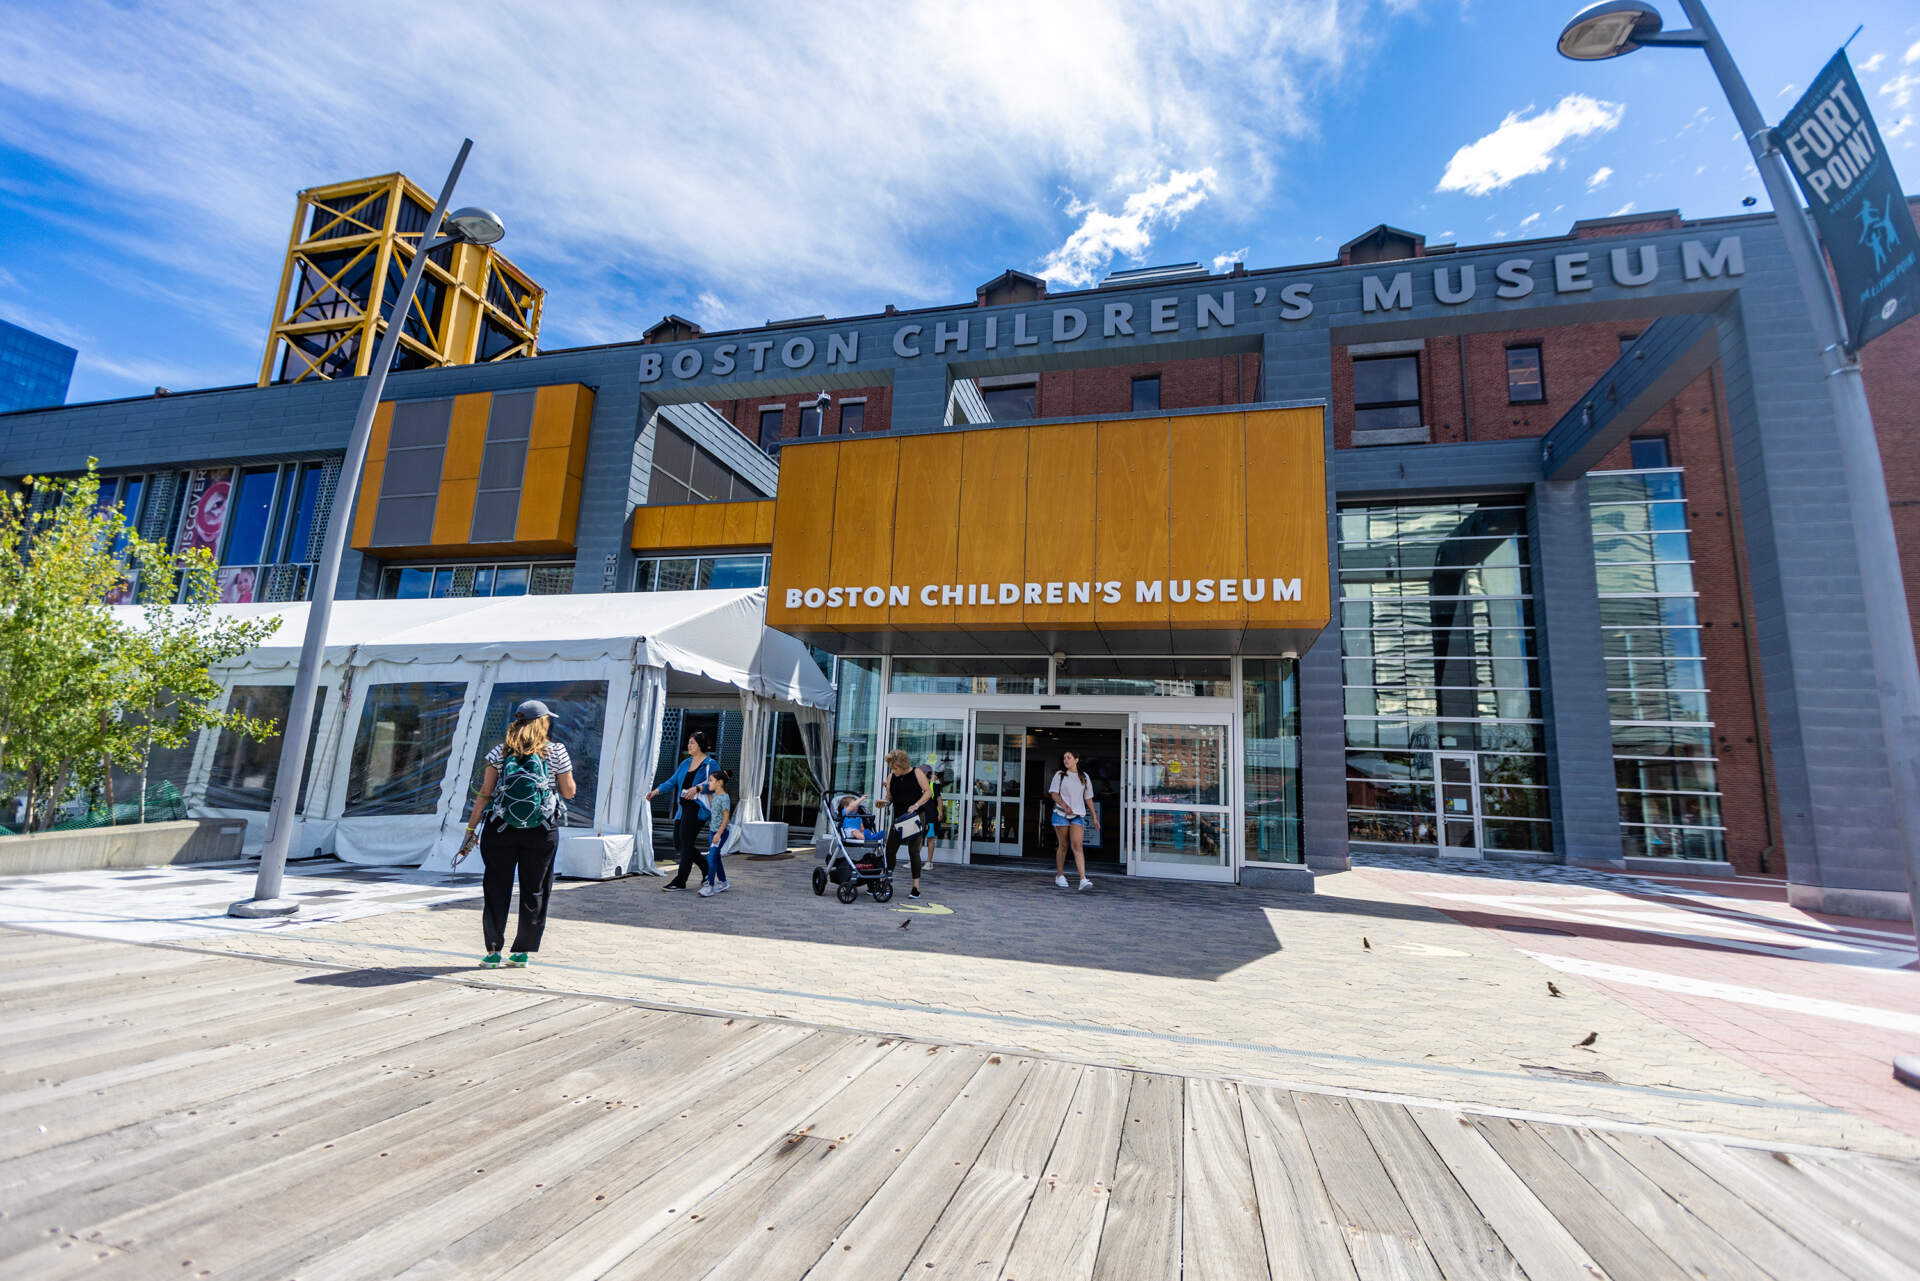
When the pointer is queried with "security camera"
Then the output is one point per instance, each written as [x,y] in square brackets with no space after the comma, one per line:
[1059,655]
[821,402]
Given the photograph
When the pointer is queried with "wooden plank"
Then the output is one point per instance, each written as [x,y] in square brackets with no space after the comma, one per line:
[1818,1188]
[1892,1186]
[1779,1253]
[882,1238]
[1061,532]
[1141,1238]
[993,520]
[1835,1240]
[863,521]
[1381,1234]
[789,1234]
[973,1234]
[1286,484]
[23,1022]
[1303,1233]
[1131,530]
[1696,1247]
[926,537]
[1452,1228]
[1612,1238]
[1220,1224]
[1207,512]
[1526,1227]
[803,531]
[371,475]
[74,981]
[647,524]
[1060,1237]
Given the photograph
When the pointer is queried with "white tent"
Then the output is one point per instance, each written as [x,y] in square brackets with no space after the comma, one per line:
[414,693]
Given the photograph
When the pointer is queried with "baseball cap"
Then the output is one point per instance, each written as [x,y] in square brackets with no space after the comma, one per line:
[532,710]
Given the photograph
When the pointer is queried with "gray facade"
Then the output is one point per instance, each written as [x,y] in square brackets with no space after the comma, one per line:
[1726,283]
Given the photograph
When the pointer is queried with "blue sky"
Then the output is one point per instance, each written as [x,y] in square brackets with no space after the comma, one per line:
[737,163]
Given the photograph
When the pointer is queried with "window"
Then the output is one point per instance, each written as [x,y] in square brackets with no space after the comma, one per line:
[301,511]
[439,582]
[249,515]
[809,421]
[1386,392]
[770,428]
[579,715]
[1524,383]
[685,473]
[1016,398]
[853,417]
[1626,341]
[244,769]
[402,746]
[1146,394]
[699,573]
[1649,451]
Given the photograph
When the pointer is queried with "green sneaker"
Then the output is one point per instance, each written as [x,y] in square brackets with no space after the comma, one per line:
[491,961]
[518,961]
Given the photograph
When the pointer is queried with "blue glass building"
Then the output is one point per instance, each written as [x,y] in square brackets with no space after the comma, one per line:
[34,371]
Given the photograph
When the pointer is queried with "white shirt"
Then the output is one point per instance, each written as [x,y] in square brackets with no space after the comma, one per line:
[1073,793]
[558,760]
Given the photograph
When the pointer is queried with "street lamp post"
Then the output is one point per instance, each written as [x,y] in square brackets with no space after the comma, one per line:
[475,226]
[1621,26]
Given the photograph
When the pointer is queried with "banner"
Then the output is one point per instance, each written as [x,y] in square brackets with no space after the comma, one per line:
[205,514]
[1835,151]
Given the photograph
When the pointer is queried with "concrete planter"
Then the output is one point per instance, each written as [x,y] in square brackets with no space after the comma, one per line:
[193,840]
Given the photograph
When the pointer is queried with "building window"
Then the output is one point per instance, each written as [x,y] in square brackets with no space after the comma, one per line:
[1649,451]
[685,473]
[1524,383]
[1386,392]
[699,573]
[1626,341]
[1663,761]
[1017,398]
[261,524]
[457,582]
[770,428]
[809,421]
[1146,394]
[853,417]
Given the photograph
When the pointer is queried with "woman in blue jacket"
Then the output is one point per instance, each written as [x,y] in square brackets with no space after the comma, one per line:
[689,785]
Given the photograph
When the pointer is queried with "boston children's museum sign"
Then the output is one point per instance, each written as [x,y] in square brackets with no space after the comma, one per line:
[1209,311]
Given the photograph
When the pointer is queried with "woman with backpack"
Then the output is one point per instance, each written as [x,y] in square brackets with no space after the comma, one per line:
[689,783]
[523,796]
[1072,794]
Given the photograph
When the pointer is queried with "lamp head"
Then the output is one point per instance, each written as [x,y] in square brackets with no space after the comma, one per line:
[1608,30]
[821,401]
[476,225]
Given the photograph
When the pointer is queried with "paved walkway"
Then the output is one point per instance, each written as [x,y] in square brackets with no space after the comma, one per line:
[169,1111]
[1366,987]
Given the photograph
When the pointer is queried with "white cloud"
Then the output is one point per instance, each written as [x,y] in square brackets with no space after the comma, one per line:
[1101,236]
[1525,144]
[1899,127]
[1873,63]
[1913,51]
[1786,89]
[1899,90]
[1529,220]
[785,158]
[1622,210]
[1225,261]
[1599,179]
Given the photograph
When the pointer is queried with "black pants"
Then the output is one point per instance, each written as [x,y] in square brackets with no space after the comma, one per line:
[686,841]
[913,844]
[528,851]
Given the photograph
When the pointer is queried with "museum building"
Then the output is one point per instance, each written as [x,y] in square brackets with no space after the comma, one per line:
[1536,550]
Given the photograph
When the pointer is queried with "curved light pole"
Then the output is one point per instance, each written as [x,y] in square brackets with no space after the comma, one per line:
[1622,26]
[470,225]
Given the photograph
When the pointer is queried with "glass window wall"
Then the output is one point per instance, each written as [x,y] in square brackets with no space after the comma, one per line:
[699,573]
[1270,725]
[244,769]
[402,746]
[1146,677]
[856,724]
[978,674]
[579,718]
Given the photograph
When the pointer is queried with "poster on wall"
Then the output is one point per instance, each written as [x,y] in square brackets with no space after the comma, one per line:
[205,515]
[1837,155]
[237,586]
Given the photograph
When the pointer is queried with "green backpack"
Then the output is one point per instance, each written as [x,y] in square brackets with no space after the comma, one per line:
[525,797]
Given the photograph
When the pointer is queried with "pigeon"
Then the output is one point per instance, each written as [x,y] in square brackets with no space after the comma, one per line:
[1552,990]
[905,924]
[1364,944]
[1591,1037]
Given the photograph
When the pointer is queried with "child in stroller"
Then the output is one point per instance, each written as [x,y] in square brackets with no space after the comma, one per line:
[853,855]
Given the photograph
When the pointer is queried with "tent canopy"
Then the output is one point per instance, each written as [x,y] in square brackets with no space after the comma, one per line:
[716,635]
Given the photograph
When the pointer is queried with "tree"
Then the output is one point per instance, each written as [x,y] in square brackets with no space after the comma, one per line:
[85,687]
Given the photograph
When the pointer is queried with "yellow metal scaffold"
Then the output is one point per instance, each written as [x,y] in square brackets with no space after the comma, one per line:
[351,244]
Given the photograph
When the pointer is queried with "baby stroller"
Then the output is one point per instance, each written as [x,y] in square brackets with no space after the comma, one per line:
[852,854]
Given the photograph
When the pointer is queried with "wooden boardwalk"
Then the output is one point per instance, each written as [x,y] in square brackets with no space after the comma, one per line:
[166,1113]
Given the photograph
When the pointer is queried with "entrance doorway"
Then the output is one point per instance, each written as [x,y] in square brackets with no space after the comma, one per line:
[1014,764]
[1459,797]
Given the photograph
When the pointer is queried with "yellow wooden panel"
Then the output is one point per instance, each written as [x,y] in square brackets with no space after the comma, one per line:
[553,408]
[1130,539]
[803,531]
[676,525]
[1286,483]
[993,518]
[863,516]
[737,526]
[453,513]
[371,475]
[646,528]
[926,531]
[1060,520]
[542,494]
[710,524]
[466,440]
[763,521]
[582,427]
[1207,514]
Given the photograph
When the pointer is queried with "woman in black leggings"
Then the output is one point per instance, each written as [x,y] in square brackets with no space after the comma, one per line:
[909,796]
[687,783]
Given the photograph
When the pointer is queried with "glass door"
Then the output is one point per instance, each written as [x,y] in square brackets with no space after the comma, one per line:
[937,741]
[999,773]
[1459,805]
[1178,798]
